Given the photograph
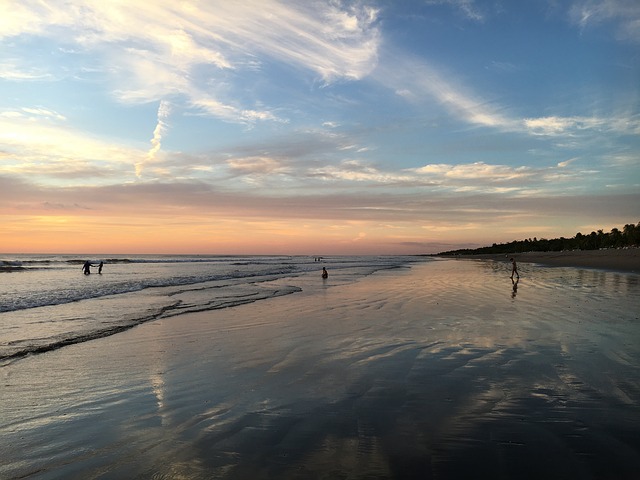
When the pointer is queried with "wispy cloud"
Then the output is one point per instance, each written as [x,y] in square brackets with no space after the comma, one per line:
[421,84]
[14,71]
[356,171]
[33,113]
[468,8]
[185,49]
[418,82]
[476,171]
[164,109]
[254,169]
[38,143]
[204,104]
[202,201]
[43,112]
[624,13]
[569,126]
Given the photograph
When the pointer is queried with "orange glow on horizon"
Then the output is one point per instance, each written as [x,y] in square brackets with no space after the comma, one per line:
[195,235]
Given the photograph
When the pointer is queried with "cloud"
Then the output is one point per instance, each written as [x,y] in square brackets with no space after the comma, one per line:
[187,49]
[569,126]
[475,171]
[208,105]
[477,177]
[356,171]
[415,80]
[624,13]
[421,83]
[43,112]
[555,125]
[164,109]
[209,203]
[467,7]
[566,163]
[257,166]
[33,114]
[38,143]
[13,71]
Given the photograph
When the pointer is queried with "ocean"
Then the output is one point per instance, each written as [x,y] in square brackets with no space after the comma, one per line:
[46,302]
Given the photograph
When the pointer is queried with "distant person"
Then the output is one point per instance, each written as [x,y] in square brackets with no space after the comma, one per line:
[100,268]
[325,274]
[86,268]
[514,269]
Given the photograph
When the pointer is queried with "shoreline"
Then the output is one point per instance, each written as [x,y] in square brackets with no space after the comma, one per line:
[621,260]
[443,370]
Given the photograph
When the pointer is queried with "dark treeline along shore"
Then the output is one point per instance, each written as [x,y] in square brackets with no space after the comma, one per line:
[629,236]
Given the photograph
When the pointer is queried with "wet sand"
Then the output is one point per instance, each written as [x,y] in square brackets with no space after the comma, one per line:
[621,260]
[441,371]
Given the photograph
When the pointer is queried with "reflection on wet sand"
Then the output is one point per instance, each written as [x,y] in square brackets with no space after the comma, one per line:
[428,373]
[451,416]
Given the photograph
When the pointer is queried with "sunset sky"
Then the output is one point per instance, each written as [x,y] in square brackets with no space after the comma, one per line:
[315,127]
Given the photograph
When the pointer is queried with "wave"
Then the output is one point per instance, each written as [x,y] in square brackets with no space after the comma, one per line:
[39,311]
[11,267]
[60,296]
[22,348]
[55,261]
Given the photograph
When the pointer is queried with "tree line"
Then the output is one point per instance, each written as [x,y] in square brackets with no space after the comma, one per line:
[629,236]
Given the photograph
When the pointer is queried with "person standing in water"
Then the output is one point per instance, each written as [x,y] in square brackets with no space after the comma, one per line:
[100,268]
[514,269]
[86,268]
[325,274]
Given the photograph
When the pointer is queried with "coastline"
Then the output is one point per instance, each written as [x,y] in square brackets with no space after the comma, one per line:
[621,260]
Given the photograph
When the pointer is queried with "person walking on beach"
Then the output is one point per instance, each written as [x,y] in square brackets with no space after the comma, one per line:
[325,274]
[86,268]
[514,269]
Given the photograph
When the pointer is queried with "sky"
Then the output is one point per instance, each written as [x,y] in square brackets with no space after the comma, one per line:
[315,127]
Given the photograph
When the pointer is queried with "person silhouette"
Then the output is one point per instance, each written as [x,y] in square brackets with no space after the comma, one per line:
[86,268]
[514,268]
[325,274]
[100,268]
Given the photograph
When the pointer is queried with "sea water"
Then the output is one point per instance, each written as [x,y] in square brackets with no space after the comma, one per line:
[46,302]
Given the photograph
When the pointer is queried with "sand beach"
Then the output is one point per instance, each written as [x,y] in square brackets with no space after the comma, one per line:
[444,370]
[621,260]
